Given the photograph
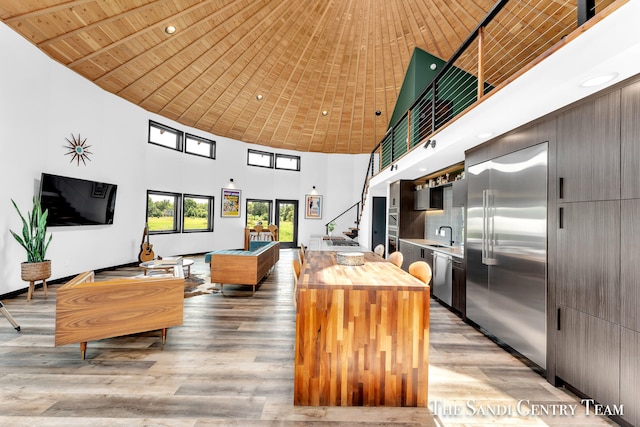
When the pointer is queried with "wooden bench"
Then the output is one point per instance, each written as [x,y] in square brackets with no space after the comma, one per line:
[240,267]
[88,310]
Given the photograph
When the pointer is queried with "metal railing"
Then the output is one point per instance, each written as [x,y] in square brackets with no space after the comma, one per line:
[342,221]
[511,36]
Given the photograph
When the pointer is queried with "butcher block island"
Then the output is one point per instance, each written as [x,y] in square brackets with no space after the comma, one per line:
[362,334]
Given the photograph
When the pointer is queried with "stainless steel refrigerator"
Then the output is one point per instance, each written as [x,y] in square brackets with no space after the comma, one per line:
[506,249]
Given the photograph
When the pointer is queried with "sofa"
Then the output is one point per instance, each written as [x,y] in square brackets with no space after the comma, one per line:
[240,267]
[88,310]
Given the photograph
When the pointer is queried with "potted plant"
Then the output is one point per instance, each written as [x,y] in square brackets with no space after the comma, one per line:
[331,226]
[34,240]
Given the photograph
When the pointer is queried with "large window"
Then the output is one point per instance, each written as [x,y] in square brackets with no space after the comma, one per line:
[174,212]
[165,136]
[258,212]
[200,146]
[197,213]
[284,161]
[260,158]
[161,212]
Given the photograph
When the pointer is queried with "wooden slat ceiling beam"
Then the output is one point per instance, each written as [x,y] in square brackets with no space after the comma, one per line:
[345,57]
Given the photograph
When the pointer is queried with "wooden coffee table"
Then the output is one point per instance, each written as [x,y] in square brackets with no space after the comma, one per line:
[155,265]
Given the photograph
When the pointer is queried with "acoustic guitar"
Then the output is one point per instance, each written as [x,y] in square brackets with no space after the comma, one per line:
[146,249]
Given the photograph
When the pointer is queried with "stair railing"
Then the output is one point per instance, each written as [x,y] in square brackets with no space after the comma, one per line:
[339,222]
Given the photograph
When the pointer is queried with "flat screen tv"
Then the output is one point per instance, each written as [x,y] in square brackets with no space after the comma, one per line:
[73,201]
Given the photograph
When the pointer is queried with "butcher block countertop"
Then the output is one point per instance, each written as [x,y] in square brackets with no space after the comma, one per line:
[362,334]
[321,269]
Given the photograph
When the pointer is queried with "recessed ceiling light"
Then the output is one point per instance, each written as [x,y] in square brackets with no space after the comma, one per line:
[170,29]
[484,135]
[599,80]
[259,97]
[422,169]
[325,112]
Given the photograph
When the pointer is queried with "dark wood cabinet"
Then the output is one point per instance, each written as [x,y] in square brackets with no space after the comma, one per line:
[630,375]
[426,255]
[630,135]
[412,252]
[429,199]
[588,258]
[594,270]
[629,266]
[459,287]
[410,223]
[592,349]
[588,157]
[408,254]
[459,198]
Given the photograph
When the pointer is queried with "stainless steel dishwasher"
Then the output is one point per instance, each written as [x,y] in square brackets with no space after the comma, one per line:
[442,288]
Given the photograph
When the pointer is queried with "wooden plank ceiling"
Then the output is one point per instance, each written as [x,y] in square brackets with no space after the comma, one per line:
[345,57]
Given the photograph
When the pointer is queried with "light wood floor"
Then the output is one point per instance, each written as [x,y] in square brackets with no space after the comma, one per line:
[231,363]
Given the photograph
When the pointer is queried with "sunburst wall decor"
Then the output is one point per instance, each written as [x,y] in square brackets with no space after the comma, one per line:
[78,148]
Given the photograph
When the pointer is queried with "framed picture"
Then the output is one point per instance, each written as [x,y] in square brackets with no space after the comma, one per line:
[313,206]
[230,203]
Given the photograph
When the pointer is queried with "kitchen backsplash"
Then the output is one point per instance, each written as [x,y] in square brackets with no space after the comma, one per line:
[453,217]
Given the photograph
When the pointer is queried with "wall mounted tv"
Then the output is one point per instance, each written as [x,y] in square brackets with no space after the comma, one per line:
[73,201]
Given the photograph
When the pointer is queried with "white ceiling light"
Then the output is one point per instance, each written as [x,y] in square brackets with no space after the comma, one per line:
[599,80]
[484,135]
[170,29]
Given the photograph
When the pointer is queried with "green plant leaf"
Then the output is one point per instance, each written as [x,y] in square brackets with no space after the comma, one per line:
[34,232]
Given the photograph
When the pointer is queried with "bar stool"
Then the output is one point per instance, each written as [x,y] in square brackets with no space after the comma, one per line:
[396,258]
[296,274]
[421,271]
[379,250]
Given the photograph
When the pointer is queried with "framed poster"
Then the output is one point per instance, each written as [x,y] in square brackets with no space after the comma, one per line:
[313,206]
[230,203]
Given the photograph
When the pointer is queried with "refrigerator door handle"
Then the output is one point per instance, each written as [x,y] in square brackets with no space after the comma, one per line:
[488,227]
[484,225]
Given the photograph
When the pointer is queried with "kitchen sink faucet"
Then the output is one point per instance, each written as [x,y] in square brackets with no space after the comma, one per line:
[450,232]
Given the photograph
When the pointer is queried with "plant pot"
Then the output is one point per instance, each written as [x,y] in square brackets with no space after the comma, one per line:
[32,271]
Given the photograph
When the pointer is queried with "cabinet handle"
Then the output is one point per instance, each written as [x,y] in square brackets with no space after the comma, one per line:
[561,188]
[558,318]
[561,218]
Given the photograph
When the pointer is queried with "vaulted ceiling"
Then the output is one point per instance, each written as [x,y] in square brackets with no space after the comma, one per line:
[306,75]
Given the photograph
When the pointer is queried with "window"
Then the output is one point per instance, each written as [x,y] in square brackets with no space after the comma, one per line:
[200,146]
[258,211]
[161,212]
[197,213]
[284,161]
[165,136]
[264,159]
[260,158]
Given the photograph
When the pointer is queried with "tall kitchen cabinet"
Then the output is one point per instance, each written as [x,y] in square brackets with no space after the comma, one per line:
[594,242]
[407,223]
[630,247]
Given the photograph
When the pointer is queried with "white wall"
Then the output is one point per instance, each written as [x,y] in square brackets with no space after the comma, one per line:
[42,103]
